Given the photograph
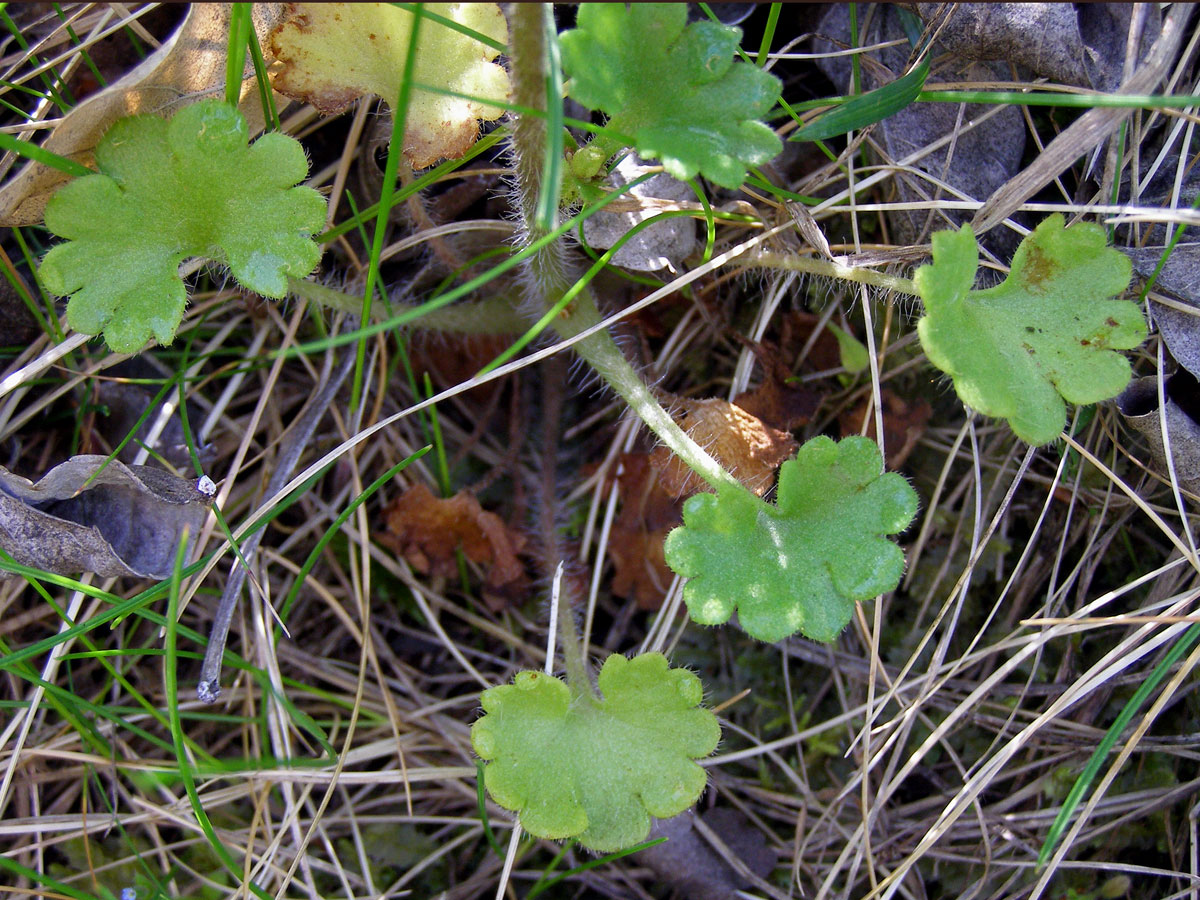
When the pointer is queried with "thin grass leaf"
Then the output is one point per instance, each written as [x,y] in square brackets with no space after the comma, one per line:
[390,173]
[265,93]
[235,53]
[462,290]
[337,524]
[481,803]
[35,877]
[768,37]
[170,664]
[1063,820]
[464,30]
[544,885]
[867,109]
[546,214]
[33,152]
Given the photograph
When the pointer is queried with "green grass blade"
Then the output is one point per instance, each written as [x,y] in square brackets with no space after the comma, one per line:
[1071,101]
[546,213]
[265,95]
[27,150]
[455,26]
[64,890]
[1088,775]
[552,313]
[867,109]
[481,801]
[235,53]
[461,291]
[170,662]
[390,172]
[337,523]
[541,886]
[62,100]
[768,35]
[87,58]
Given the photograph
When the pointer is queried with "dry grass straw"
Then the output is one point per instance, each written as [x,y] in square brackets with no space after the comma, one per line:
[922,755]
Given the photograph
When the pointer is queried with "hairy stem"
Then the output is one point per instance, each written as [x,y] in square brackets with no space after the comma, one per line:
[549,267]
[815,266]
[548,270]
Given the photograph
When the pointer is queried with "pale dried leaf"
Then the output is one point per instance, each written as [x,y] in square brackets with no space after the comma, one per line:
[189,66]
[742,443]
[334,53]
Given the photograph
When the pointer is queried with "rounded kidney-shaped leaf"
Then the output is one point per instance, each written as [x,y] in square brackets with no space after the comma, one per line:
[673,87]
[168,191]
[802,564]
[596,769]
[1048,333]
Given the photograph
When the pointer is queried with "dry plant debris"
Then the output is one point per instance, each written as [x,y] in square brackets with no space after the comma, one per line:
[428,530]
[334,53]
[751,450]
[921,755]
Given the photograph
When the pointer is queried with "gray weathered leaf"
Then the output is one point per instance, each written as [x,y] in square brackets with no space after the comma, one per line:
[662,245]
[690,864]
[980,159]
[1180,277]
[1138,403]
[1081,44]
[85,516]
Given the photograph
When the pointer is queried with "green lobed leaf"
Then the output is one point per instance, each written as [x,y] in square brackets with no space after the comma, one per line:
[674,87]
[1048,333]
[169,191]
[802,564]
[597,769]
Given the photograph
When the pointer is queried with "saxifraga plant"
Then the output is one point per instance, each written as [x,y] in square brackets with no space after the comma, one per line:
[595,760]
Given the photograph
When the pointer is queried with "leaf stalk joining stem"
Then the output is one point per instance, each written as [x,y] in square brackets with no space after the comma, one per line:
[549,279]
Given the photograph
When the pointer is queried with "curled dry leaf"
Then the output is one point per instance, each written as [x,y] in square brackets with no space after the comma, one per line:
[903,424]
[334,53]
[426,530]
[1138,403]
[189,66]
[750,449]
[90,514]
[1179,279]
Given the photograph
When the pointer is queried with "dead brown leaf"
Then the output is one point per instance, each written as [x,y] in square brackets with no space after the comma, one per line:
[749,448]
[796,330]
[426,530]
[779,404]
[635,541]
